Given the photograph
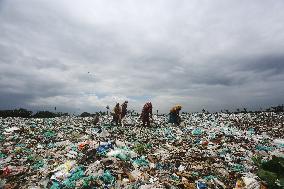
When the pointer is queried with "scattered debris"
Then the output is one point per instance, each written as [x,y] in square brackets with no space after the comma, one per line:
[219,150]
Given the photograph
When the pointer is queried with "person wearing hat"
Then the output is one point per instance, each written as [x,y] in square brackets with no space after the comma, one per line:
[146,114]
[174,115]
[116,114]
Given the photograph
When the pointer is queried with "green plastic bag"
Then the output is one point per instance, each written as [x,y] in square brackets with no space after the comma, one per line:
[2,138]
[49,134]
[55,185]
[38,164]
[107,177]
[141,161]
[3,155]
[197,132]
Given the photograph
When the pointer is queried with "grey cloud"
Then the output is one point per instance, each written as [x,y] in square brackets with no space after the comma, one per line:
[90,53]
[272,63]
[10,101]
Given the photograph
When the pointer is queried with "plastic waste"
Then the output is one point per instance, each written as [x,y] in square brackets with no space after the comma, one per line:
[107,177]
[102,149]
[122,154]
[279,142]
[63,171]
[72,152]
[197,132]
[140,162]
[250,183]
[201,185]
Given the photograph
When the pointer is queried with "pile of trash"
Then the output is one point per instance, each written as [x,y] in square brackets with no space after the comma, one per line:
[242,151]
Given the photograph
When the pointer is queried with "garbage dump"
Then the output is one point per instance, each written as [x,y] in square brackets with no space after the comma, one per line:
[242,151]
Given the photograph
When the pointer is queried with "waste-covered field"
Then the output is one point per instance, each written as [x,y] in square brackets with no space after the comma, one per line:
[205,151]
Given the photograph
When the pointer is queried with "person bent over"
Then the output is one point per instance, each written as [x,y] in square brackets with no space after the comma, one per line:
[116,114]
[146,114]
[124,109]
[174,115]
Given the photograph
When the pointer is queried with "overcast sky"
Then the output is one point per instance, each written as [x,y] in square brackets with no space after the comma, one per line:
[84,55]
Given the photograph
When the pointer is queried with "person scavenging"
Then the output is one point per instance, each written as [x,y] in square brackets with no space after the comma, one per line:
[96,119]
[116,114]
[174,115]
[146,114]
[124,109]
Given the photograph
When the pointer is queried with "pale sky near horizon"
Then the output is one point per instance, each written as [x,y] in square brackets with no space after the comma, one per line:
[84,55]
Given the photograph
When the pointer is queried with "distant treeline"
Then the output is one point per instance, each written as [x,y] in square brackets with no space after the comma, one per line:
[29,114]
[87,114]
[47,114]
[24,113]
[275,109]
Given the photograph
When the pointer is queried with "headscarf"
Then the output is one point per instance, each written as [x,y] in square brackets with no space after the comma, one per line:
[117,109]
[176,108]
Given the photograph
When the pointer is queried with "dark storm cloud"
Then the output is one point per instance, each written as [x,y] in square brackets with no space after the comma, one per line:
[12,100]
[274,64]
[89,54]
